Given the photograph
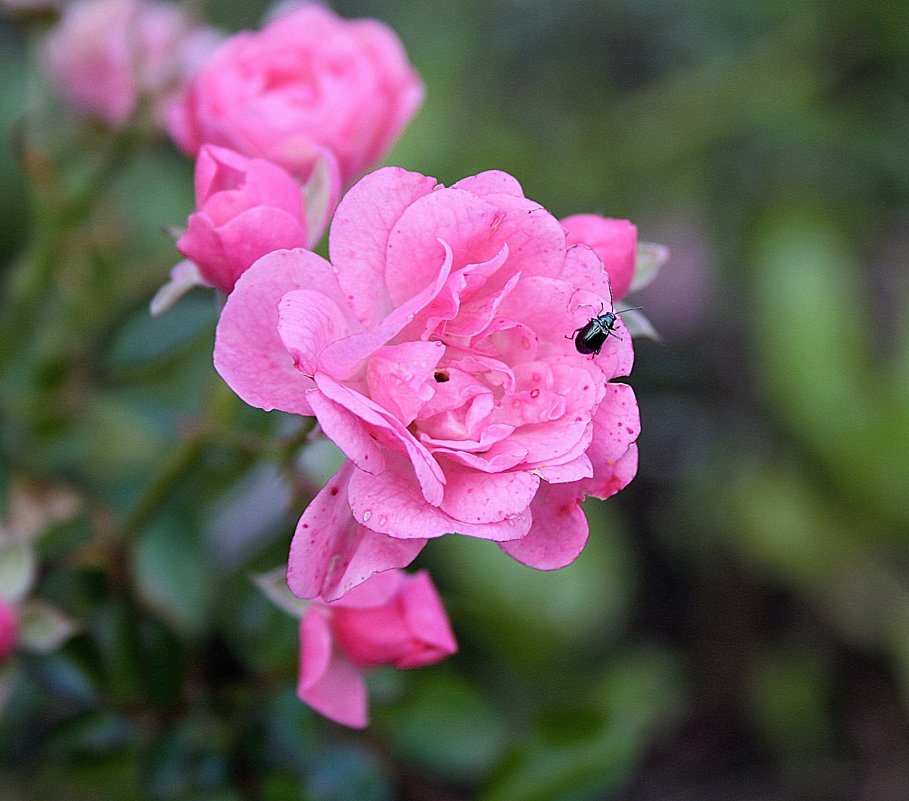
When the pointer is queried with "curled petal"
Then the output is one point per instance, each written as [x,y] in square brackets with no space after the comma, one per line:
[400,377]
[331,553]
[346,431]
[425,467]
[308,322]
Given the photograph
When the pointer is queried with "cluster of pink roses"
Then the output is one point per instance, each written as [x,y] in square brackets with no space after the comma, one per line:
[434,346]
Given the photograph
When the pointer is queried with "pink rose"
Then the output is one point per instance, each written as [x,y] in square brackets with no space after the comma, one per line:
[436,351]
[8,630]
[392,619]
[614,241]
[245,208]
[309,86]
[105,57]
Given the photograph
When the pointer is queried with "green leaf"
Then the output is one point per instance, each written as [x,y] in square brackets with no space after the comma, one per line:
[469,735]
[173,574]
[348,772]
[91,733]
[820,368]
[560,760]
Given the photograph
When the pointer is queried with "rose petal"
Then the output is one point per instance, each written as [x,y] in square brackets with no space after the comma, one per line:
[614,242]
[491,182]
[308,322]
[331,553]
[475,497]
[391,503]
[559,530]
[400,377]
[428,621]
[346,431]
[249,353]
[461,219]
[338,690]
[425,467]
[359,236]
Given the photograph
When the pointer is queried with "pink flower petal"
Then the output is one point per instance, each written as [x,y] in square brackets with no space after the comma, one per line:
[461,219]
[584,269]
[375,591]
[331,553]
[315,645]
[474,497]
[359,236]
[391,503]
[565,473]
[491,182]
[217,169]
[616,426]
[308,322]
[428,473]
[346,430]
[249,353]
[400,377]
[344,357]
[428,620]
[559,530]
[614,242]
[338,691]
[536,241]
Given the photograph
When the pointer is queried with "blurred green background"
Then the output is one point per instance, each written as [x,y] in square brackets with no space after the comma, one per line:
[737,628]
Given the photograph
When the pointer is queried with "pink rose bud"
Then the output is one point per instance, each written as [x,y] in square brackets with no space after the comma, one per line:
[8,630]
[245,208]
[614,241]
[438,351]
[106,57]
[309,86]
[391,619]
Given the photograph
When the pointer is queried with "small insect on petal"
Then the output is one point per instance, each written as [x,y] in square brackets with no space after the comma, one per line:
[591,337]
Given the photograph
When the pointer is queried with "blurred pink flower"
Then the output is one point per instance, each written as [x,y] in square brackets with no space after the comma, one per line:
[245,208]
[106,57]
[436,352]
[310,86]
[9,627]
[614,241]
[392,619]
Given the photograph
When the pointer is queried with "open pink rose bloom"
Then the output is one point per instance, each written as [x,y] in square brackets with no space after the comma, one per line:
[391,619]
[310,86]
[436,351]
